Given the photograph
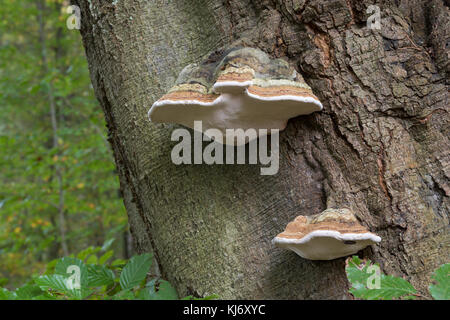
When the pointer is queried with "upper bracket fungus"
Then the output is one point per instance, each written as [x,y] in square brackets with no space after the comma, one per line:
[241,89]
[332,234]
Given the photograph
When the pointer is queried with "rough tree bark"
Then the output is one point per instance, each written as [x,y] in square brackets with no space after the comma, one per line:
[379,147]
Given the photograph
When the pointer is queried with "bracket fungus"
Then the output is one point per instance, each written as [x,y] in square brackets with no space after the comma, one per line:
[332,234]
[241,89]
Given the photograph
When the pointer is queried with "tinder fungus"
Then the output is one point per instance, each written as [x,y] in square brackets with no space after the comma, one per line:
[242,89]
[332,234]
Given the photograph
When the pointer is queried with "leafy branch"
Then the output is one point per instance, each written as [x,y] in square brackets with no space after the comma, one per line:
[369,283]
[88,277]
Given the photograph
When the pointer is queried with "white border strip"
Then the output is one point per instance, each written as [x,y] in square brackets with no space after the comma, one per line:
[329,234]
[287,97]
[221,98]
[162,103]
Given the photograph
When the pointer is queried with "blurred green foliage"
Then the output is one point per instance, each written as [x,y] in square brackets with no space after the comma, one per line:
[55,159]
[93,275]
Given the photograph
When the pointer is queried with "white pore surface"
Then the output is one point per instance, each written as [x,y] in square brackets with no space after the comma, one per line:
[235,111]
[327,244]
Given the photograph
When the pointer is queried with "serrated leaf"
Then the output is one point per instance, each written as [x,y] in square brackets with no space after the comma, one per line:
[67,267]
[28,292]
[394,287]
[99,276]
[391,287]
[54,282]
[135,271]
[5,294]
[57,282]
[441,289]
[360,274]
[356,270]
[358,290]
[158,290]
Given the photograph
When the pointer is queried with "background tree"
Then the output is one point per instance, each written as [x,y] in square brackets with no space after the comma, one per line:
[379,147]
[58,186]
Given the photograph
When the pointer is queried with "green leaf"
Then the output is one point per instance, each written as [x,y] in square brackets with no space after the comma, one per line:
[135,271]
[124,295]
[99,276]
[53,282]
[441,289]
[357,273]
[70,269]
[60,284]
[165,291]
[66,267]
[88,251]
[28,292]
[119,263]
[92,259]
[158,290]
[391,287]
[5,294]
[105,257]
[367,282]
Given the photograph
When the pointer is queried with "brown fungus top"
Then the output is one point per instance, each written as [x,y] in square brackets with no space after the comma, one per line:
[243,89]
[332,234]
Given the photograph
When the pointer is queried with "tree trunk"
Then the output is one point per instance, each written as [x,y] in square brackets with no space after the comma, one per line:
[379,147]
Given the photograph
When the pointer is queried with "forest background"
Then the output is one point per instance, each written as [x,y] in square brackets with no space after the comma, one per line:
[59,192]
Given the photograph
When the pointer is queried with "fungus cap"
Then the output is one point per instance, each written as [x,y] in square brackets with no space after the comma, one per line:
[244,90]
[234,80]
[332,234]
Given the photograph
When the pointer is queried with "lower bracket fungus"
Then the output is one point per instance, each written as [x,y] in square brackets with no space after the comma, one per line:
[243,89]
[332,234]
